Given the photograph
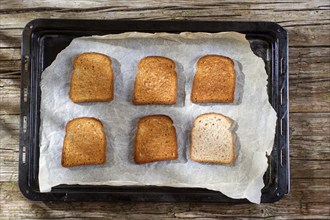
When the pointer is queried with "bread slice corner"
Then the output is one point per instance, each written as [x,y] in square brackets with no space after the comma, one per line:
[212,140]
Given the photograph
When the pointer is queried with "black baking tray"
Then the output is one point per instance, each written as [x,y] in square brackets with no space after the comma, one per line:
[43,39]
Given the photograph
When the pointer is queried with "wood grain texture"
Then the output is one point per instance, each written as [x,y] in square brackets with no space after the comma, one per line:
[308,24]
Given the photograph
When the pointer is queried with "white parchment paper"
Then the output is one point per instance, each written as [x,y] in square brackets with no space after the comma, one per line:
[255,118]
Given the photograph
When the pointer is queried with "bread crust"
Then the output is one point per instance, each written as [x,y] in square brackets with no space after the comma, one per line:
[160,86]
[104,94]
[214,80]
[192,143]
[94,156]
[155,140]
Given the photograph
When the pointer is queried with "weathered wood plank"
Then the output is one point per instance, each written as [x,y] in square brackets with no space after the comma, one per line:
[309,147]
[309,169]
[289,14]
[10,54]
[147,4]
[10,105]
[10,163]
[9,66]
[9,132]
[10,96]
[309,79]
[309,62]
[9,137]
[10,38]
[309,124]
[305,35]
[315,35]
[290,206]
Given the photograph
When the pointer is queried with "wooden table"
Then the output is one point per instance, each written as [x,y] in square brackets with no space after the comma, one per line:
[308,23]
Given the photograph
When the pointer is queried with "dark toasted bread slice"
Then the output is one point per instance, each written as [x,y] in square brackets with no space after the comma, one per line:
[214,80]
[155,139]
[156,81]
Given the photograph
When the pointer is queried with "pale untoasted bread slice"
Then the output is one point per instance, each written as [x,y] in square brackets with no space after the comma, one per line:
[214,80]
[212,140]
[155,139]
[156,81]
[84,142]
[92,78]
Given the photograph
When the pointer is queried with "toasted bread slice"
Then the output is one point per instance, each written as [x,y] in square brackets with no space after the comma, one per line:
[214,80]
[155,139]
[92,78]
[212,140]
[156,81]
[84,142]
